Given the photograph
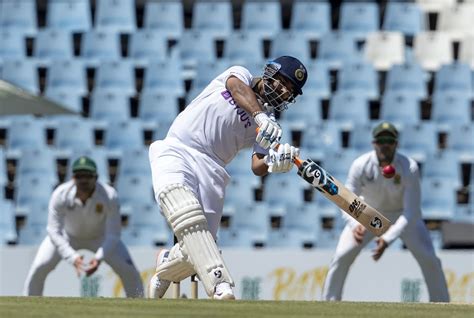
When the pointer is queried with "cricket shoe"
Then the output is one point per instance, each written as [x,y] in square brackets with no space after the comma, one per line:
[223,291]
[158,287]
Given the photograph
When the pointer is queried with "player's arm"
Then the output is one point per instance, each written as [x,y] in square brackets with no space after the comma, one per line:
[243,95]
[259,167]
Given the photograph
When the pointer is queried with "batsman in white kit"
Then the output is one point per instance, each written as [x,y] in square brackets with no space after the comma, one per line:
[398,197]
[188,166]
[83,214]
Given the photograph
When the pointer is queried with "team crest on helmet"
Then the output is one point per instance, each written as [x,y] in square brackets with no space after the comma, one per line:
[299,73]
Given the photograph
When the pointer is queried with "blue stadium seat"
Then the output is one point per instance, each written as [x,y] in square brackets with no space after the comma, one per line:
[307,110]
[196,47]
[262,18]
[26,132]
[312,19]
[404,17]
[241,190]
[400,107]
[134,161]
[161,130]
[241,163]
[358,112]
[337,48]
[124,134]
[74,133]
[281,192]
[359,18]
[69,15]
[360,137]
[243,47]
[3,170]
[360,78]
[461,140]
[291,43]
[438,199]
[12,45]
[407,77]
[8,233]
[37,162]
[166,17]
[67,76]
[159,107]
[319,81]
[52,45]
[109,106]
[324,136]
[134,189]
[459,105]
[19,16]
[32,234]
[69,100]
[146,45]
[98,46]
[116,76]
[205,73]
[418,139]
[115,15]
[21,73]
[337,163]
[213,17]
[33,191]
[442,165]
[164,77]
[100,157]
[455,77]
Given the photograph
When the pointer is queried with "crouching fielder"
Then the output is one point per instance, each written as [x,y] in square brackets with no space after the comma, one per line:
[188,171]
[398,197]
[83,214]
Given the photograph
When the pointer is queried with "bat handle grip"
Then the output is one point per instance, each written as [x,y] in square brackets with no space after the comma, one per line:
[298,162]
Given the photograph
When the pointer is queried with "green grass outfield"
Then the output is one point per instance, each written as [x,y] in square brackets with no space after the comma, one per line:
[12,307]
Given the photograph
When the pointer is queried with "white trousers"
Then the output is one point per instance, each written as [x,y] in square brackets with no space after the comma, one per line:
[417,240]
[48,257]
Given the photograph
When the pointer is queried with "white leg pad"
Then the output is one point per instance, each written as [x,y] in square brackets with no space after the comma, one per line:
[177,267]
[185,216]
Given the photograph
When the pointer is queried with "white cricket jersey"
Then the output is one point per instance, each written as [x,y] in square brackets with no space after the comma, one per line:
[98,218]
[400,194]
[213,123]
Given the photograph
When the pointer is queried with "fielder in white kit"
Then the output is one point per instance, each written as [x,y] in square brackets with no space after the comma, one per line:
[398,197]
[188,166]
[83,214]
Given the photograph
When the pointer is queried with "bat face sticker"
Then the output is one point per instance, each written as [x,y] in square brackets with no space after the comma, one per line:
[317,177]
[376,223]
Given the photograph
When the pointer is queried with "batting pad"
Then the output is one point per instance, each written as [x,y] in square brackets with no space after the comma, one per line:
[185,216]
[177,267]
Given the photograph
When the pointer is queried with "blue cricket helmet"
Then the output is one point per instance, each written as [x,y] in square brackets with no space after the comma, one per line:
[292,69]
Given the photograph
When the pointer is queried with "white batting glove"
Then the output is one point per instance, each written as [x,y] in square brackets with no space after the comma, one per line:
[269,133]
[281,160]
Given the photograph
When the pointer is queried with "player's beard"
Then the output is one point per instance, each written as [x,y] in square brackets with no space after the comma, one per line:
[385,155]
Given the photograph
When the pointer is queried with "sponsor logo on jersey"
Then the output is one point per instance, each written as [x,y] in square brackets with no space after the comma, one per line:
[99,208]
[243,116]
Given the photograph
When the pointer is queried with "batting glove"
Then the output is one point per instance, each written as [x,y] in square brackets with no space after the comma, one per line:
[269,133]
[281,160]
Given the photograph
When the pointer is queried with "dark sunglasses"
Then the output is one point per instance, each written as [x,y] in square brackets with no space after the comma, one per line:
[385,141]
[84,176]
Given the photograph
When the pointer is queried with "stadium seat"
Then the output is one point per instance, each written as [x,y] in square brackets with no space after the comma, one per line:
[307,110]
[457,21]
[324,136]
[26,132]
[98,46]
[32,234]
[407,18]
[134,161]
[134,189]
[242,48]
[359,18]
[213,17]
[400,107]
[125,134]
[3,171]
[165,17]
[12,45]
[241,190]
[418,140]
[281,192]
[116,76]
[311,19]
[70,100]
[466,51]
[100,157]
[241,163]
[205,73]
[461,140]
[74,133]
[109,106]
[358,112]
[67,76]
[459,106]
[291,43]
[360,137]
[147,45]
[443,165]
[432,49]
[407,78]
[158,107]
[161,130]
[261,18]
[455,77]
[115,16]
[337,48]
[33,191]
[438,199]
[8,233]
[338,162]
[22,73]
[36,162]
[52,45]
[196,47]
[164,77]
[19,17]
[319,82]
[384,49]
[358,78]
[71,15]
[434,6]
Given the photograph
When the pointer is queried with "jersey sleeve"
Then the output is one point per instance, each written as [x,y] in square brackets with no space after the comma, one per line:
[411,204]
[241,73]
[55,228]
[112,227]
